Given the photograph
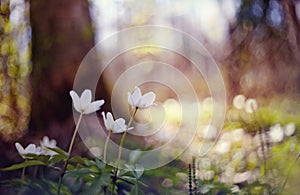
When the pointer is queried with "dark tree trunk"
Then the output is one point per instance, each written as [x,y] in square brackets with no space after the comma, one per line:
[62,35]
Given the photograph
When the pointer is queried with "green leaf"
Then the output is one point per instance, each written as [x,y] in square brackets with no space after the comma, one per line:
[23,164]
[42,158]
[59,151]
[57,158]
[105,179]
[80,172]
[100,164]
[79,159]
[136,191]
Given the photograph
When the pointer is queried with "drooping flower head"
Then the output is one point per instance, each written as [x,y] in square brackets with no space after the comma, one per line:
[30,149]
[84,104]
[116,126]
[137,100]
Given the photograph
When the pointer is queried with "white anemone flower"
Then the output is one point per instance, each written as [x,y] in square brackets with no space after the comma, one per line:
[116,126]
[239,101]
[276,133]
[251,105]
[84,104]
[30,149]
[137,100]
[47,143]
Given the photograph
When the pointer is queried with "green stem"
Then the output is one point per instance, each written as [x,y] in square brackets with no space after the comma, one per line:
[137,187]
[23,176]
[261,140]
[289,172]
[120,150]
[69,153]
[22,179]
[106,144]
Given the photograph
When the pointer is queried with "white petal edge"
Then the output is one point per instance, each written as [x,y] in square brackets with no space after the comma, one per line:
[136,95]
[93,107]
[147,100]
[86,98]
[76,101]
[130,100]
[104,120]
[110,121]
[19,148]
[119,126]
[30,149]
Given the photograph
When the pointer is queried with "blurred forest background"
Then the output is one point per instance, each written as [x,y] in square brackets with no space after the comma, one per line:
[42,43]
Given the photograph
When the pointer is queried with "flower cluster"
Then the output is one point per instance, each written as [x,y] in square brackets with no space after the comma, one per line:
[43,149]
[84,105]
[116,126]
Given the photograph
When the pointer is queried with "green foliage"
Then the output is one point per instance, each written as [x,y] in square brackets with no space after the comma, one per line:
[23,165]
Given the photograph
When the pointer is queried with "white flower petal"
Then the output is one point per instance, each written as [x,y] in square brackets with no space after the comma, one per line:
[110,121]
[30,149]
[93,107]
[52,142]
[45,141]
[130,100]
[104,120]
[119,126]
[147,100]
[20,148]
[86,98]
[134,98]
[76,101]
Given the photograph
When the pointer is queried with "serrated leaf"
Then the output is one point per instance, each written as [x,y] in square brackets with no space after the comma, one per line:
[23,164]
